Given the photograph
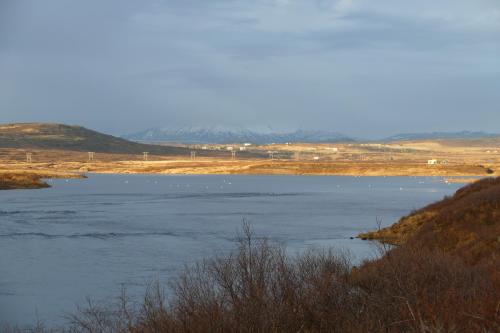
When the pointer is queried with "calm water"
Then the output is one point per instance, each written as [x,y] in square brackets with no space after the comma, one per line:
[89,237]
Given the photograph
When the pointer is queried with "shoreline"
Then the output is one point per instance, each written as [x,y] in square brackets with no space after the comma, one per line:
[257,167]
[23,175]
[35,179]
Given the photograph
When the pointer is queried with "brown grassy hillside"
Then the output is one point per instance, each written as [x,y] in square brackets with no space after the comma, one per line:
[76,138]
[42,136]
[466,224]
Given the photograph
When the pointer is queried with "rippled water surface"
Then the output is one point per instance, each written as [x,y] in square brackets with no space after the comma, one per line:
[89,237]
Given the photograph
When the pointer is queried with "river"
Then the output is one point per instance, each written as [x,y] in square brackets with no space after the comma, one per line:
[89,237]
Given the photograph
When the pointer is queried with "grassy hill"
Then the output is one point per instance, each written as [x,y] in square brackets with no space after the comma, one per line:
[466,224]
[75,138]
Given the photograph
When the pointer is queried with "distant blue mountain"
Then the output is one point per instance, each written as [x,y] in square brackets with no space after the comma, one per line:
[440,135]
[219,134]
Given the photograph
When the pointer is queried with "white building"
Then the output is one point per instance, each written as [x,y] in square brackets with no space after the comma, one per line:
[433,161]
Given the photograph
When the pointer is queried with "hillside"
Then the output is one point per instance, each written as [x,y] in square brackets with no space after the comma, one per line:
[466,224]
[463,135]
[73,138]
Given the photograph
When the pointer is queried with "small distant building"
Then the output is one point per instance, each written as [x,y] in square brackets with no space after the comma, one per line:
[444,162]
[229,148]
[431,162]
[204,147]
[243,148]
[334,149]
[247,144]
[316,158]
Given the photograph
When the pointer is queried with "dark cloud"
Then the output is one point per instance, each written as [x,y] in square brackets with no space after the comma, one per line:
[366,68]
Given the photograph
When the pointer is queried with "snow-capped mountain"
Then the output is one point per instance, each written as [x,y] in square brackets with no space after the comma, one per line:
[220,134]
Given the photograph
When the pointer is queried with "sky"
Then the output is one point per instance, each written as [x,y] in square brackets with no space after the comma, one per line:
[361,67]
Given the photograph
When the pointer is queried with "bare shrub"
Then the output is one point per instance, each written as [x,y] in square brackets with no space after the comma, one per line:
[260,288]
[413,289]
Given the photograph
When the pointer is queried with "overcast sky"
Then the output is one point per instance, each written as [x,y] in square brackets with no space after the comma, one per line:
[362,67]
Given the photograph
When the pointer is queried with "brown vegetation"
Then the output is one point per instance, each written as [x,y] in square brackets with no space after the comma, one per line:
[30,180]
[11,181]
[466,225]
[116,163]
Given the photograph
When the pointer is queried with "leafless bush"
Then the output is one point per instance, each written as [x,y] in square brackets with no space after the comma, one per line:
[259,288]
[104,317]
[413,289]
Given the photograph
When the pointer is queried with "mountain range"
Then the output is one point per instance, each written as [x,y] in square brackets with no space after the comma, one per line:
[77,138]
[222,135]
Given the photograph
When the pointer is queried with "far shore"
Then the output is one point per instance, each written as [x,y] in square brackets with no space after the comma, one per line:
[257,167]
[455,165]
[461,173]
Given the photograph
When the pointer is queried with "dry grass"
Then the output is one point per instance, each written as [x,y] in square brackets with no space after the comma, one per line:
[466,224]
[10,181]
[58,161]
[25,179]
